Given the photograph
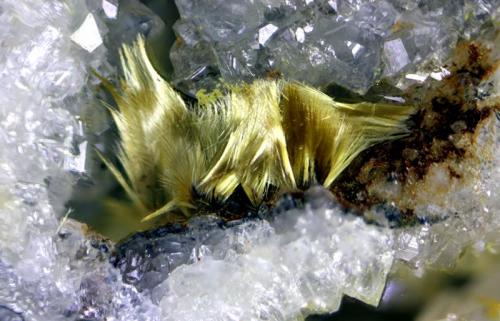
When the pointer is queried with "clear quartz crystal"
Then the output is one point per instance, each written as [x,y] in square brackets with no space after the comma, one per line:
[351,43]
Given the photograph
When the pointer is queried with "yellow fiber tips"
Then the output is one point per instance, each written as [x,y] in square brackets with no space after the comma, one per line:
[260,137]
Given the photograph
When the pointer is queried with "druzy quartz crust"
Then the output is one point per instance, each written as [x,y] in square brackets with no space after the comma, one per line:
[281,265]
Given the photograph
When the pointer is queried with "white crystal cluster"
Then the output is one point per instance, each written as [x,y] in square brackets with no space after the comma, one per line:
[44,71]
[302,262]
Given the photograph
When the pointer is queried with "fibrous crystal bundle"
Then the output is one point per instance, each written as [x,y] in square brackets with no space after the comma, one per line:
[417,200]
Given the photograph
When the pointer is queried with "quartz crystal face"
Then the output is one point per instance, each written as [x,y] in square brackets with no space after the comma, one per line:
[426,202]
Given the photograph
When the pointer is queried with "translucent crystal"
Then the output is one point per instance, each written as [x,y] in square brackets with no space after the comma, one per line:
[318,42]
[133,18]
[396,55]
[253,272]
[110,8]
[43,264]
[87,36]
[266,32]
[78,163]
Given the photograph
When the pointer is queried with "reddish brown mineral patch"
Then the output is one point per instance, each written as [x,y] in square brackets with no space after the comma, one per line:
[442,134]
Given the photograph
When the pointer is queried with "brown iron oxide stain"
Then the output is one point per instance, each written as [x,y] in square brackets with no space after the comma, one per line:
[441,134]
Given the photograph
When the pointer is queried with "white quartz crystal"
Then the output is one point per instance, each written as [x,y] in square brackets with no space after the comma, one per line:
[87,36]
[302,263]
[110,8]
[46,275]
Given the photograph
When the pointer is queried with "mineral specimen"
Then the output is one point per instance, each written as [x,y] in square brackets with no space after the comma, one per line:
[232,257]
[305,259]
[240,147]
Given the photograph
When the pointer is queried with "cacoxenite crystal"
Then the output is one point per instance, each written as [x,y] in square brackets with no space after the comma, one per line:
[302,260]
